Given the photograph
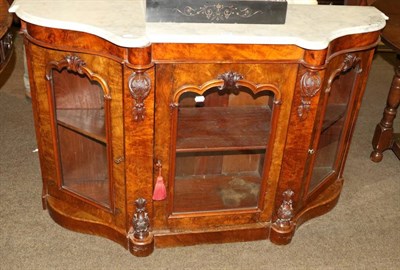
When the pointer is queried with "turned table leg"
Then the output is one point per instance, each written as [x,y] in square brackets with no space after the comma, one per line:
[384,137]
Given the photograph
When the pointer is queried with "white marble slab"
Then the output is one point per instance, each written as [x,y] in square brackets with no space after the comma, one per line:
[122,22]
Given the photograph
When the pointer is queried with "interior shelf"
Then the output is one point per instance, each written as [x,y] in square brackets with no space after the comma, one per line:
[216,192]
[319,172]
[205,129]
[96,190]
[89,122]
[333,114]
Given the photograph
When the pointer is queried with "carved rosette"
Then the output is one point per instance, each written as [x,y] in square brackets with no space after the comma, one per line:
[285,211]
[218,12]
[310,84]
[139,86]
[230,79]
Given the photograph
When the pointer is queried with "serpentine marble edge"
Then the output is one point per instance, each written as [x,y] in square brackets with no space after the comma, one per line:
[122,22]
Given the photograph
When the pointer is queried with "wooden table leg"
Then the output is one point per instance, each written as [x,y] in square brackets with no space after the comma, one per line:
[384,137]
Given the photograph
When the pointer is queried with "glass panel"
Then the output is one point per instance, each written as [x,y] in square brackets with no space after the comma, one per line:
[79,110]
[222,139]
[332,127]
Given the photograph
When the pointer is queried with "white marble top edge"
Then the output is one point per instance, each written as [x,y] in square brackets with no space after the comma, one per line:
[122,22]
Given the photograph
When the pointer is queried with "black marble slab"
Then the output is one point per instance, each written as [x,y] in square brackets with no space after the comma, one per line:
[217,11]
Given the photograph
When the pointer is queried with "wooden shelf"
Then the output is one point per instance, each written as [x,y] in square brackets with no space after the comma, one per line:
[94,190]
[216,192]
[319,175]
[333,114]
[89,122]
[204,129]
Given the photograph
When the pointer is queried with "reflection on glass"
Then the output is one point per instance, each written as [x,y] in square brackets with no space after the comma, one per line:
[79,110]
[332,128]
[221,142]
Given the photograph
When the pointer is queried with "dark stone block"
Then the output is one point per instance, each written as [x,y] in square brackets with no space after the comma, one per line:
[217,11]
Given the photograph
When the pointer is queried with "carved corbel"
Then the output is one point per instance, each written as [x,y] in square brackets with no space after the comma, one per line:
[310,84]
[350,61]
[141,241]
[139,84]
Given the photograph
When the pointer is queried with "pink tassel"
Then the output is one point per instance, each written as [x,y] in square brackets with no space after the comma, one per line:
[160,192]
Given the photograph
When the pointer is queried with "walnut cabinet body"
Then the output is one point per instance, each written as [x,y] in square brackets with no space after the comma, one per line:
[250,141]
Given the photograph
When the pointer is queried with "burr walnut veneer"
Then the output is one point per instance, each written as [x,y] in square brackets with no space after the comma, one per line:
[186,143]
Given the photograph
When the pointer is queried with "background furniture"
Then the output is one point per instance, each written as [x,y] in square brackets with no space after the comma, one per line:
[384,136]
[165,145]
[6,37]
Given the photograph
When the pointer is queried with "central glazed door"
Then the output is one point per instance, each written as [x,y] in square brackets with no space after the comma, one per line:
[216,130]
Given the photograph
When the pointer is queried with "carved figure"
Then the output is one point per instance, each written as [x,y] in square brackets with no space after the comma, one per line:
[140,221]
[285,211]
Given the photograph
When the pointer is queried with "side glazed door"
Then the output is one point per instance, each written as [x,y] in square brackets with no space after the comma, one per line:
[80,137]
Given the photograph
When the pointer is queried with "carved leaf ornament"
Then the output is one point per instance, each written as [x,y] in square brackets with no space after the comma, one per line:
[75,64]
[310,84]
[139,87]
[231,81]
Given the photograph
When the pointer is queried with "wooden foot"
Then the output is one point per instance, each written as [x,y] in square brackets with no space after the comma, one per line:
[141,247]
[281,236]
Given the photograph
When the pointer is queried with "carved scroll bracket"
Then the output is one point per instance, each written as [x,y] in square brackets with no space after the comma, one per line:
[350,61]
[285,211]
[310,84]
[139,86]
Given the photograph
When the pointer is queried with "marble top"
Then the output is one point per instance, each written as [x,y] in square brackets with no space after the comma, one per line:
[122,22]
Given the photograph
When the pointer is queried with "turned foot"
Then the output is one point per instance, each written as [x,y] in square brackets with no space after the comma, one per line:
[376,156]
